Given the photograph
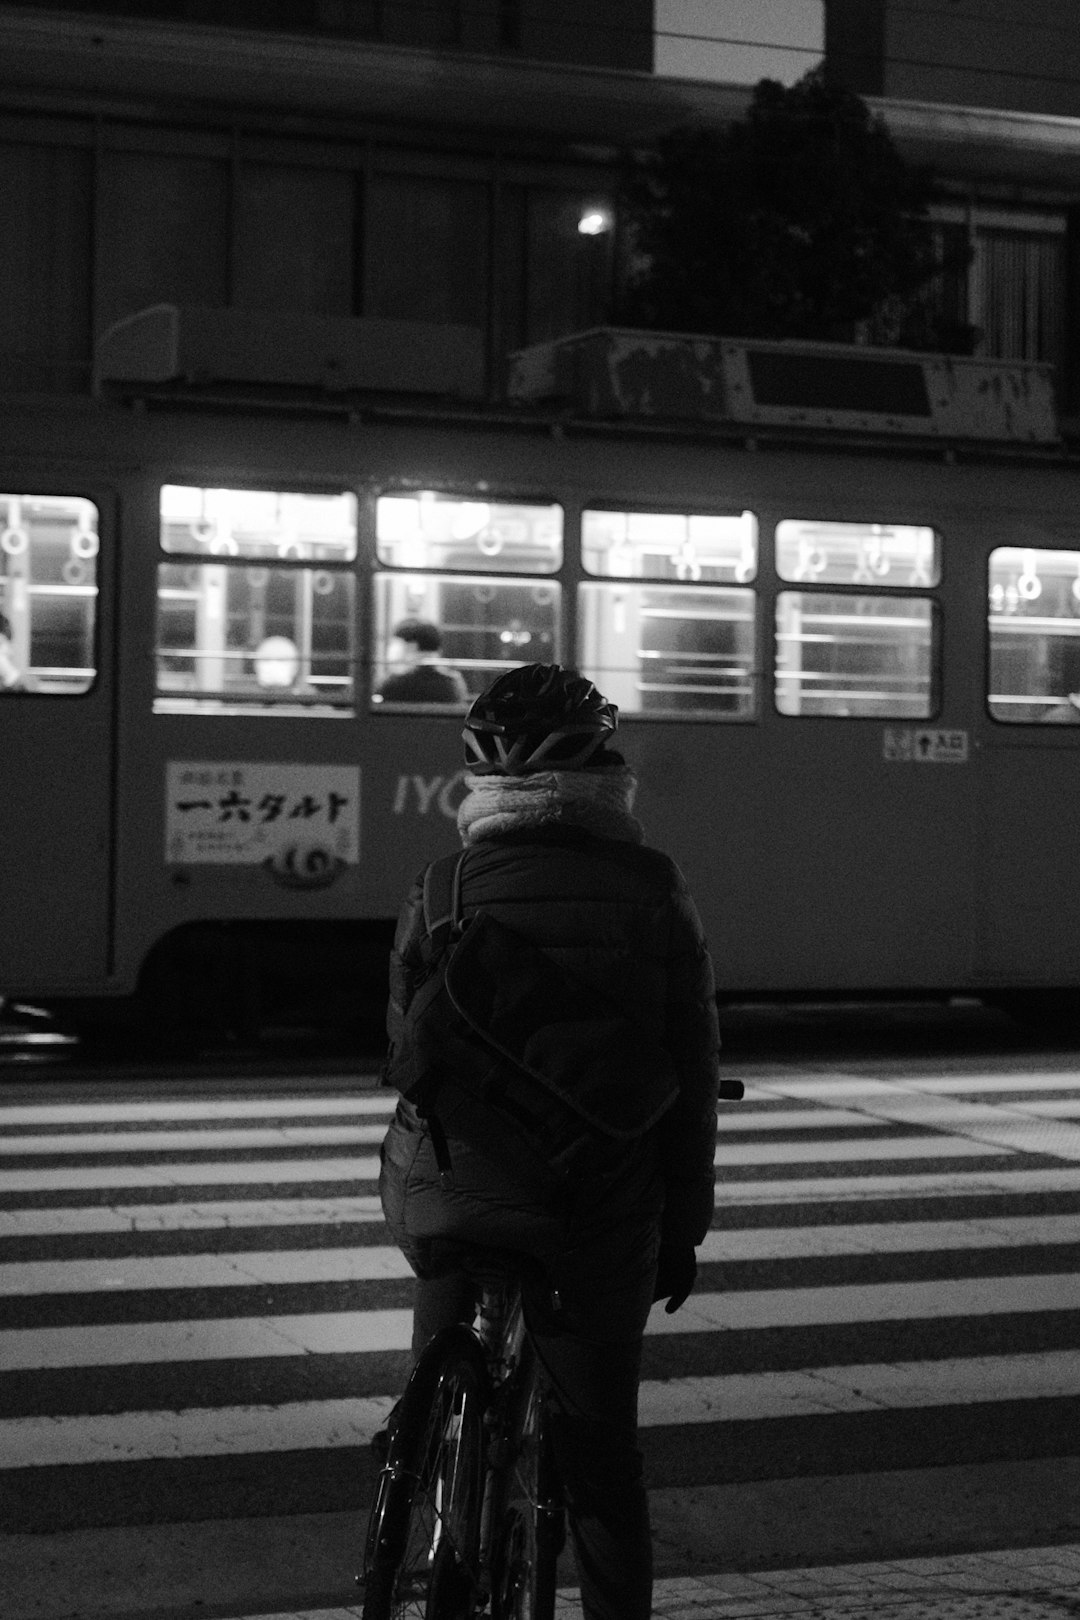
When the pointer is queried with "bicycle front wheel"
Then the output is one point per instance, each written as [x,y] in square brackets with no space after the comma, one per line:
[423,1553]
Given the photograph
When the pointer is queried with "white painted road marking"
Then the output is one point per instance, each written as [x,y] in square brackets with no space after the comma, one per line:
[38,1442]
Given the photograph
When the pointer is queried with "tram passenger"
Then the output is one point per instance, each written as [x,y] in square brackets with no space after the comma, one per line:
[420,676]
[11,679]
[277,664]
[551,843]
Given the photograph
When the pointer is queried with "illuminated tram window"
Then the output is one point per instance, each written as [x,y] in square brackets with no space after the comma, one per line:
[48,594]
[446,532]
[854,656]
[664,650]
[483,627]
[242,627]
[888,556]
[286,526]
[681,649]
[684,546]
[1034,621]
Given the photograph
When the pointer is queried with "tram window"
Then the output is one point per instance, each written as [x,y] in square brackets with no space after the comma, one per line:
[484,626]
[237,634]
[683,546]
[432,530]
[48,593]
[666,650]
[253,638]
[1034,619]
[287,526]
[854,656]
[888,556]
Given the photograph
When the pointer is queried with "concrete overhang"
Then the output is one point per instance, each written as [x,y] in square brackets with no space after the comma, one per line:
[173,64]
[184,66]
[982,144]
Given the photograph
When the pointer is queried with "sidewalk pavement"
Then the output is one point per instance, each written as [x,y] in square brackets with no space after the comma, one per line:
[998,1541]
[1036,1583]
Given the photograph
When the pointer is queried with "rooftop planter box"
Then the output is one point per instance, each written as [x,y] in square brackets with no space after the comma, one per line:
[618,373]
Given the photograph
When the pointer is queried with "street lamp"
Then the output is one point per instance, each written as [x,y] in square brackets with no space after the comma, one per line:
[597,220]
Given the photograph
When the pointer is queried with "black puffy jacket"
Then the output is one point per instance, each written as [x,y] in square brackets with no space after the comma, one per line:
[617,915]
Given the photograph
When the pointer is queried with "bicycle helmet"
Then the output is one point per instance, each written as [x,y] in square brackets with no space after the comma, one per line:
[537,717]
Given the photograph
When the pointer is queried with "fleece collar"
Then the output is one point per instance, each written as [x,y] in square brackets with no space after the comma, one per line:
[598,801]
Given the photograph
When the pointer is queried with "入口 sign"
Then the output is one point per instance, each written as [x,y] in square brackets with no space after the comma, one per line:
[926,745]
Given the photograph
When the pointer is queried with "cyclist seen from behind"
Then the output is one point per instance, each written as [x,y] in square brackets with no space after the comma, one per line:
[553,851]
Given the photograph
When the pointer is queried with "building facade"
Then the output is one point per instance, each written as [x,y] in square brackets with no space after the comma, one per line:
[987,92]
[326,170]
[429,161]
[970,53]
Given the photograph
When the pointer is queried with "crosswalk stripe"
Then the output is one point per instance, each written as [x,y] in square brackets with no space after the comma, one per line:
[801,1167]
[152,1112]
[917,1184]
[1033,1081]
[218,1214]
[865,1150]
[231,1338]
[215,1269]
[890,1237]
[1056,1108]
[207,1270]
[212,1216]
[349,1332]
[747,1120]
[196,1432]
[872,1302]
[366,1168]
[991,1123]
[209,1108]
[770,1118]
[35,1442]
[177,1173]
[867,1387]
[219,1140]
[365,1101]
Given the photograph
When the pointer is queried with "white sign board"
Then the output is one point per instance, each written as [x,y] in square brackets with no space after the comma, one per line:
[925,745]
[242,811]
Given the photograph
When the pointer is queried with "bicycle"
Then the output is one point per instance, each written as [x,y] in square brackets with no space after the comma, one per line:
[468,1517]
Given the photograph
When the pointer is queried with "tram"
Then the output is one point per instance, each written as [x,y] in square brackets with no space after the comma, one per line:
[847,665]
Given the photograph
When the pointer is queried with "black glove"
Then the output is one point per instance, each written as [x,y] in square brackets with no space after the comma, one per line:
[676,1274]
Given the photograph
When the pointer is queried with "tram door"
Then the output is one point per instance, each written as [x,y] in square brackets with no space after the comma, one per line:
[55,746]
[1029,913]
[824,855]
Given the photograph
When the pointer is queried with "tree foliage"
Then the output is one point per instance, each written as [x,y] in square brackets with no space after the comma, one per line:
[801,220]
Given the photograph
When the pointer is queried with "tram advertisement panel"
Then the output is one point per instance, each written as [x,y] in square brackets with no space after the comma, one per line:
[242,812]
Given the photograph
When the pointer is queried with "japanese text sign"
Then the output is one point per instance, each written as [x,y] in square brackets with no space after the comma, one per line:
[225,811]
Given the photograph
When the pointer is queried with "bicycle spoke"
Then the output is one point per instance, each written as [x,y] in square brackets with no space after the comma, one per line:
[531,1534]
[468,1508]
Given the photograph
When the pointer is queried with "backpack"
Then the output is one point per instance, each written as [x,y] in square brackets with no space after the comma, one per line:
[502,1050]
